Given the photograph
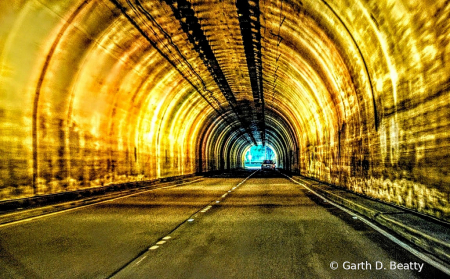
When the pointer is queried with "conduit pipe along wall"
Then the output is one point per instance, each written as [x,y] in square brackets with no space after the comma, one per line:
[355,93]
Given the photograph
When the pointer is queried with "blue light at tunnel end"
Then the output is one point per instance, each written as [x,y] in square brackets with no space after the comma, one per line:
[256,154]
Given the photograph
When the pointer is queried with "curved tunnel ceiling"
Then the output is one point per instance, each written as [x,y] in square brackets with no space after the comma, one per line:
[96,92]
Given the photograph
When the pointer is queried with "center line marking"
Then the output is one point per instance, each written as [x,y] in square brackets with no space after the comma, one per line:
[137,260]
[143,258]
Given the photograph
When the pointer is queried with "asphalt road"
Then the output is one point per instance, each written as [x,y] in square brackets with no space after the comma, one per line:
[266,227]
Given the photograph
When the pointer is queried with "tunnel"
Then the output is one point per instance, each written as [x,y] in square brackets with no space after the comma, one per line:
[354,94]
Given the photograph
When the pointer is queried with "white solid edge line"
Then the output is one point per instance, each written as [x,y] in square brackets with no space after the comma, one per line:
[385,233]
[87,205]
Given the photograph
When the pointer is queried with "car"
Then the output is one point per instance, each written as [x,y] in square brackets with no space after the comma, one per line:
[268,165]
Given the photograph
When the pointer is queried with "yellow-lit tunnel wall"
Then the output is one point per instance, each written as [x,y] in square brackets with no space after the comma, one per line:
[356,93]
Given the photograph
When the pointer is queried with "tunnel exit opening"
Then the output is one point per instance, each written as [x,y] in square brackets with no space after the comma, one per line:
[256,154]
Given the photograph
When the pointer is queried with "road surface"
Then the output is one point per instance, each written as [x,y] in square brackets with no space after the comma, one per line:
[226,226]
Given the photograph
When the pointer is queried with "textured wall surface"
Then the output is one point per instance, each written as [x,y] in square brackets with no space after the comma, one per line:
[355,93]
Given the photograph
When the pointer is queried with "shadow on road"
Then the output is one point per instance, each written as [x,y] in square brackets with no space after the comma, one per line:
[243,173]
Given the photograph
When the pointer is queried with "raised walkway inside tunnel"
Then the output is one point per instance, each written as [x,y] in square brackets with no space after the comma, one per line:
[244,224]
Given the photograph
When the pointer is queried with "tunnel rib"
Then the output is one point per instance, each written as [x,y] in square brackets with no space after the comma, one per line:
[250,25]
[37,94]
[191,26]
[374,104]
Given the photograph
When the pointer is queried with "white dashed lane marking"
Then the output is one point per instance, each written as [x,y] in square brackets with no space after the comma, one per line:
[162,241]
[143,258]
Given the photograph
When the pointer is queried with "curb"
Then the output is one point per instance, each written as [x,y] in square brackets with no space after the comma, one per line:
[79,198]
[431,236]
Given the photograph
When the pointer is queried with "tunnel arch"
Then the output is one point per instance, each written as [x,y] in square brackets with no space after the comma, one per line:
[96,92]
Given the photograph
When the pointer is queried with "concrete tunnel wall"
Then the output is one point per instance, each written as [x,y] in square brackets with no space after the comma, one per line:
[356,93]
